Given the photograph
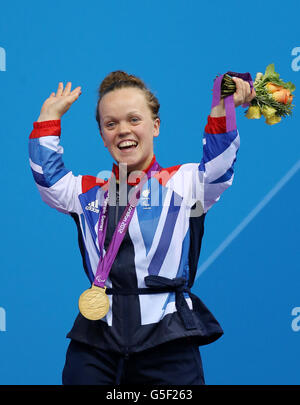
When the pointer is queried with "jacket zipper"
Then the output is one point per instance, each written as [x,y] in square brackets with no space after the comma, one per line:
[126,329]
[117,208]
[125,325]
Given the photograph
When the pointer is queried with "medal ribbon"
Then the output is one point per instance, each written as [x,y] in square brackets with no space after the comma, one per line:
[229,100]
[105,264]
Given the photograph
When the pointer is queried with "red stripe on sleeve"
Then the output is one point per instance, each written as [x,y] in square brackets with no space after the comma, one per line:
[215,125]
[45,128]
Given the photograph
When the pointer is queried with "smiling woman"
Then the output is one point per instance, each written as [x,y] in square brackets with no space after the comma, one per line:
[127,127]
[128,118]
[139,321]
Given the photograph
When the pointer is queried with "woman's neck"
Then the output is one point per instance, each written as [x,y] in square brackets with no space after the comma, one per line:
[132,173]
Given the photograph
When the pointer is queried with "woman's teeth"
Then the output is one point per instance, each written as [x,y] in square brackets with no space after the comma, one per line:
[127,144]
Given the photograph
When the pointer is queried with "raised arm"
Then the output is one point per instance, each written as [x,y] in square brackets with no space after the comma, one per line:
[57,185]
[220,148]
[205,182]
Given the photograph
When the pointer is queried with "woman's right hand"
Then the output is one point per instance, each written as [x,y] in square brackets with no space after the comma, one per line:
[57,104]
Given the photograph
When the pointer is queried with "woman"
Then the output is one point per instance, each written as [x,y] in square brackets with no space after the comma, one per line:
[154,324]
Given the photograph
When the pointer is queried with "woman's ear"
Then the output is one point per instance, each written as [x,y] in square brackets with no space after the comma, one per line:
[156,126]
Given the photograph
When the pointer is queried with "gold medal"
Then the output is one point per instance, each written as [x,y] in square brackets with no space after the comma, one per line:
[94,303]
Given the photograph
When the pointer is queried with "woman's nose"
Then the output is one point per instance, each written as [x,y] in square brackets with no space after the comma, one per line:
[124,128]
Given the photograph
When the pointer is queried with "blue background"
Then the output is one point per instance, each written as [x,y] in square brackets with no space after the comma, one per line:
[177,47]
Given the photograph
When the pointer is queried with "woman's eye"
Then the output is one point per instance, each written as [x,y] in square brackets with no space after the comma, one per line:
[135,119]
[110,124]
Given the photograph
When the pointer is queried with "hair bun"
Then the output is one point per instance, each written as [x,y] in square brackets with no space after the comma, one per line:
[119,80]
[119,76]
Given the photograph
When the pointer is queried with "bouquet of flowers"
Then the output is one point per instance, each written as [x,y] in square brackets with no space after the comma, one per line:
[273,96]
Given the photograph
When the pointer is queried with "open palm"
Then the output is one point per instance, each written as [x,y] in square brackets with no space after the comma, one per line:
[57,104]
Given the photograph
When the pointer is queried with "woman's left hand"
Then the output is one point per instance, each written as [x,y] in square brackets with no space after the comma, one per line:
[243,94]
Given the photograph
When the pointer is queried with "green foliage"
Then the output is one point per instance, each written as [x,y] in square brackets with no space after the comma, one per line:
[263,97]
[271,76]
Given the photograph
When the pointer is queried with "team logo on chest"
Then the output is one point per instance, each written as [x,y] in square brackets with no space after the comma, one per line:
[145,199]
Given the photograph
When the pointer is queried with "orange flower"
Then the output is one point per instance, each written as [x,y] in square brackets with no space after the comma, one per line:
[290,98]
[272,87]
[282,96]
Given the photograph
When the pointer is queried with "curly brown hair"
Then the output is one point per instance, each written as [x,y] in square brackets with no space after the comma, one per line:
[120,79]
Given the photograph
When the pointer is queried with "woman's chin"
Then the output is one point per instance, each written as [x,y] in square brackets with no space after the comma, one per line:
[134,161]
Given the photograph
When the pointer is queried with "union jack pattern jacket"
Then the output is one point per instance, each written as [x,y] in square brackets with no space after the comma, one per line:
[151,277]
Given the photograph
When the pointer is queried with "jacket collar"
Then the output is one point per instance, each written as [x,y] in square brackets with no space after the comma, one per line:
[134,183]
